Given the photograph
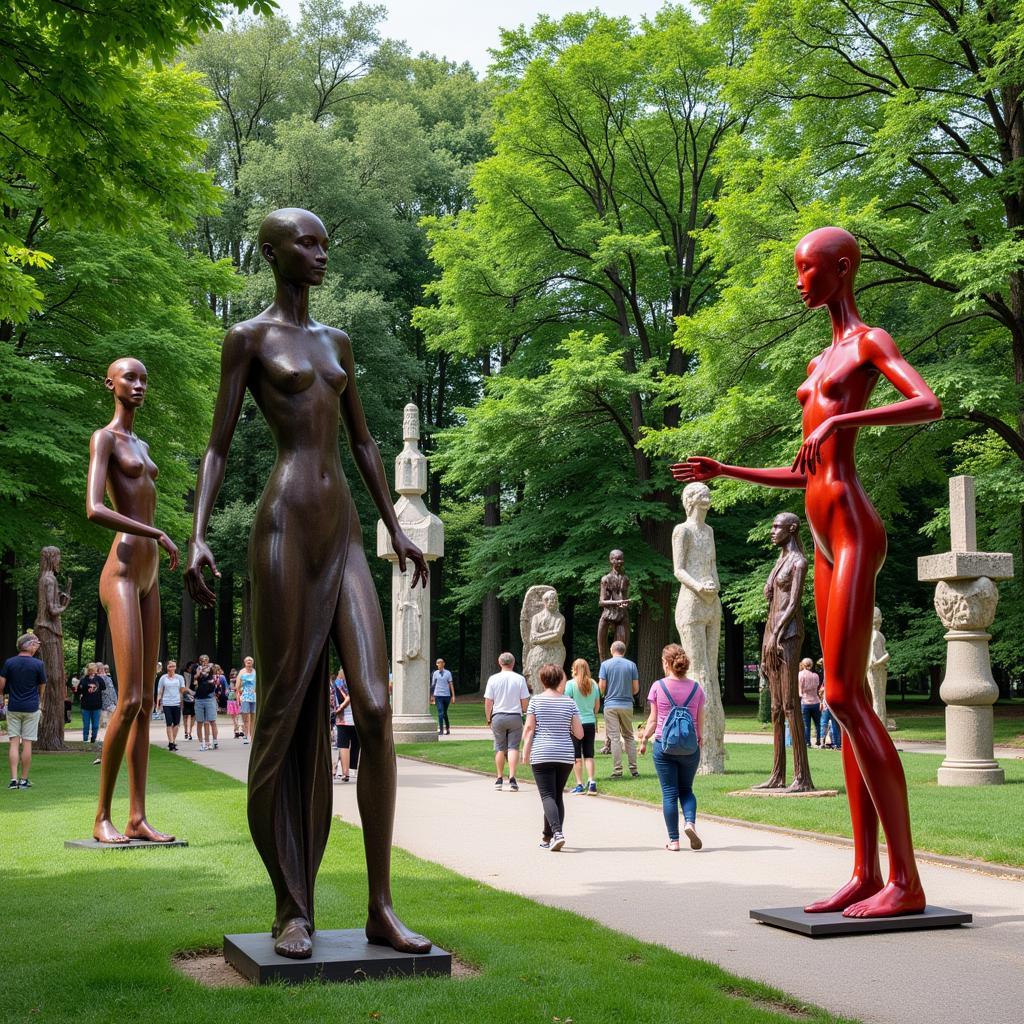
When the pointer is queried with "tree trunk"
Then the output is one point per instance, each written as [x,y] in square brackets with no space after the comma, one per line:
[8,602]
[733,659]
[570,633]
[187,633]
[935,679]
[490,611]
[515,637]
[246,643]
[206,639]
[461,661]
[226,621]
[99,648]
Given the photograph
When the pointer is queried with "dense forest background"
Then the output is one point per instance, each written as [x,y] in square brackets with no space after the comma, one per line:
[579,266]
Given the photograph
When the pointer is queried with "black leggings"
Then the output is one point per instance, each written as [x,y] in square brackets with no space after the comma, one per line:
[551,778]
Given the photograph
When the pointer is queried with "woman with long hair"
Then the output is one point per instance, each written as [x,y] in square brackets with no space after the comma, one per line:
[587,696]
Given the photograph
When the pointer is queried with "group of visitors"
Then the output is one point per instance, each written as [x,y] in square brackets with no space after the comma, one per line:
[561,724]
[814,709]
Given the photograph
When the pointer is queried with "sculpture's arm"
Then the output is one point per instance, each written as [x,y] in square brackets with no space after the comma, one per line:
[697,467]
[603,600]
[54,605]
[680,546]
[919,404]
[367,457]
[236,356]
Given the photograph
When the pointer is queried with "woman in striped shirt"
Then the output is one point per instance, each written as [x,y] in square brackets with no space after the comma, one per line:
[552,722]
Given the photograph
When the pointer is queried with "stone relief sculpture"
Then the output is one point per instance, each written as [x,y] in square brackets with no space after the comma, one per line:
[614,602]
[51,605]
[699,616]
[410,620]
[542,627]
[878,671]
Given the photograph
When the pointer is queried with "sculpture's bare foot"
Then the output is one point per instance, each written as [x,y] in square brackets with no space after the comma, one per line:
[142,829]
[105,832]
[893,900]
[384,929]
[800,786]
[856,889]
[294,939]
[775,782]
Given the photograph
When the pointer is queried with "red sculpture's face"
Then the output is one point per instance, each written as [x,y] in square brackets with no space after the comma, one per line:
[819,274]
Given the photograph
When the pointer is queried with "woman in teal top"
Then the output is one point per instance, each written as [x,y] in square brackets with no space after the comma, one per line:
[584,691]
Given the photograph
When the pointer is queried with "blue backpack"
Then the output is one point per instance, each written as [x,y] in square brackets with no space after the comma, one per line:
[679,730]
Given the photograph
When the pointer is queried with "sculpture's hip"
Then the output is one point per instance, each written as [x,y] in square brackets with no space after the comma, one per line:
[841,517]
[694,609]
[132,558]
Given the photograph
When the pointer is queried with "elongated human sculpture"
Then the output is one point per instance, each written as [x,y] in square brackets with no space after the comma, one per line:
[878,671]
[699,617]
[780,653]
[51,604]
[311,585]
[849,548]
[613,600]
[120,466]
[542,627]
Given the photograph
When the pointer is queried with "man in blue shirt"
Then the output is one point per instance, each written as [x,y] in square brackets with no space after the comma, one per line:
[619,681]
[442,693]
[23,678]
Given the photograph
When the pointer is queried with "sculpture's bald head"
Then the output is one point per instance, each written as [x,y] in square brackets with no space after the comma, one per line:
[128,379]
[294,243]
[832,242]
[826,263]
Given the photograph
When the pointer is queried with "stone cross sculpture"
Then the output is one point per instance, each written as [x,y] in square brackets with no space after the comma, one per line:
[410,606]
[699,617]
[878,671]
[542,627]
[965,600]
[51,605]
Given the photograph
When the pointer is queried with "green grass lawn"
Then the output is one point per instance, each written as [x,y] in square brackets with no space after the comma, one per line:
[91,934]
[915,720]
[984,823]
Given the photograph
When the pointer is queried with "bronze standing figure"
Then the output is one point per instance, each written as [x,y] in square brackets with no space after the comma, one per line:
[52,603]
[614,602]
[780,652]
[120,466]
[311,585]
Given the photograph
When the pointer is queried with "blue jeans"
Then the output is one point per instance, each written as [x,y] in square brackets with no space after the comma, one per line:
[90,720]
[676,777]
[811,713]
[829,722]
[442,712]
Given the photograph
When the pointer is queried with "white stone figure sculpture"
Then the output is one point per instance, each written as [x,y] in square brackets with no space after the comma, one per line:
[412,721]
[699,617]
[878,671]
[965,600]
[542,627]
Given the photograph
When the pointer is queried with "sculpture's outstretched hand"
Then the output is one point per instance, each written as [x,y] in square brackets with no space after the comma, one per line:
[200,556]
[405,549]
[696,467]
[172,550]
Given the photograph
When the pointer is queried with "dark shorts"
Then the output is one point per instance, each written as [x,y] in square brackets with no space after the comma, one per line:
[172,714]
[346,736]
[188,708]
[585,746]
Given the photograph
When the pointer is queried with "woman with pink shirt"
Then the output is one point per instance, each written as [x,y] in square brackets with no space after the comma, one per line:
[810,702]
[675,772]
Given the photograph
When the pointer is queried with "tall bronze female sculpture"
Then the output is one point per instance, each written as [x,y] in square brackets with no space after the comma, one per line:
[119,464]
[849,548]
[311,584]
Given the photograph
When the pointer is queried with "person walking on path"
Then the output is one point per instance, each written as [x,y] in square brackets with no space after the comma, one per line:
[588,702]
[442,693]
[345,725]
[168,699]
[204,686]
[676,770]
[90,700]
[505,699]
[247,697]
[552,723]
[619,680]
[234,705]
[188,701]
[22,678]
[810,702]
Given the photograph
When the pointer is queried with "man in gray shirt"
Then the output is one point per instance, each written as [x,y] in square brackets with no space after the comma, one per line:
[505,700]
[619,681]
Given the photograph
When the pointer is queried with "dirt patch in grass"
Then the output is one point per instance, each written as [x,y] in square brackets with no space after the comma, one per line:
[789,1007]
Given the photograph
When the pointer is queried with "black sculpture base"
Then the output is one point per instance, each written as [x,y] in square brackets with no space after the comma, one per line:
[795,919]
[342,955]
[132,844]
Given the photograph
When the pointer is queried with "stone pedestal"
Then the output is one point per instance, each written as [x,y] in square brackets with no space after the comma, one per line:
[965,600]
[412,720]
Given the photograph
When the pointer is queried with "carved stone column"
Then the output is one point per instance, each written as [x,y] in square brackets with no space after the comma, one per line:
[410,608]
[965,600]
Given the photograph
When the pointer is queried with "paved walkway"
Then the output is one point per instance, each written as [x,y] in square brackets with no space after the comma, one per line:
[615,871]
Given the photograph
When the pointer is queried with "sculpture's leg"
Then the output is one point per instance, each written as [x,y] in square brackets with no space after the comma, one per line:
[802,782]
[603,651]
[358,633]
[712,754]
[120,598]
[873,772]
[777,779]
[138,736]
[622,632]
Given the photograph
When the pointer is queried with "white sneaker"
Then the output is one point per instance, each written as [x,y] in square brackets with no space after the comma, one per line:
[202,746]
[557,842]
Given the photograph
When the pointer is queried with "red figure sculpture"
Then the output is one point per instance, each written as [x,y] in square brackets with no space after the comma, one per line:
[849,548]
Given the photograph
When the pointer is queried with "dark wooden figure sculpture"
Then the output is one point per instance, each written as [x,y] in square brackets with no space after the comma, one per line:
[780,653]
[614,603]
[849,548]
[119,464]
[51,604]
[311,585]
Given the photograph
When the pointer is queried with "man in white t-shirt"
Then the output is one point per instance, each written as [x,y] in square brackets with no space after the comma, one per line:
[505,700]
[168,699]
